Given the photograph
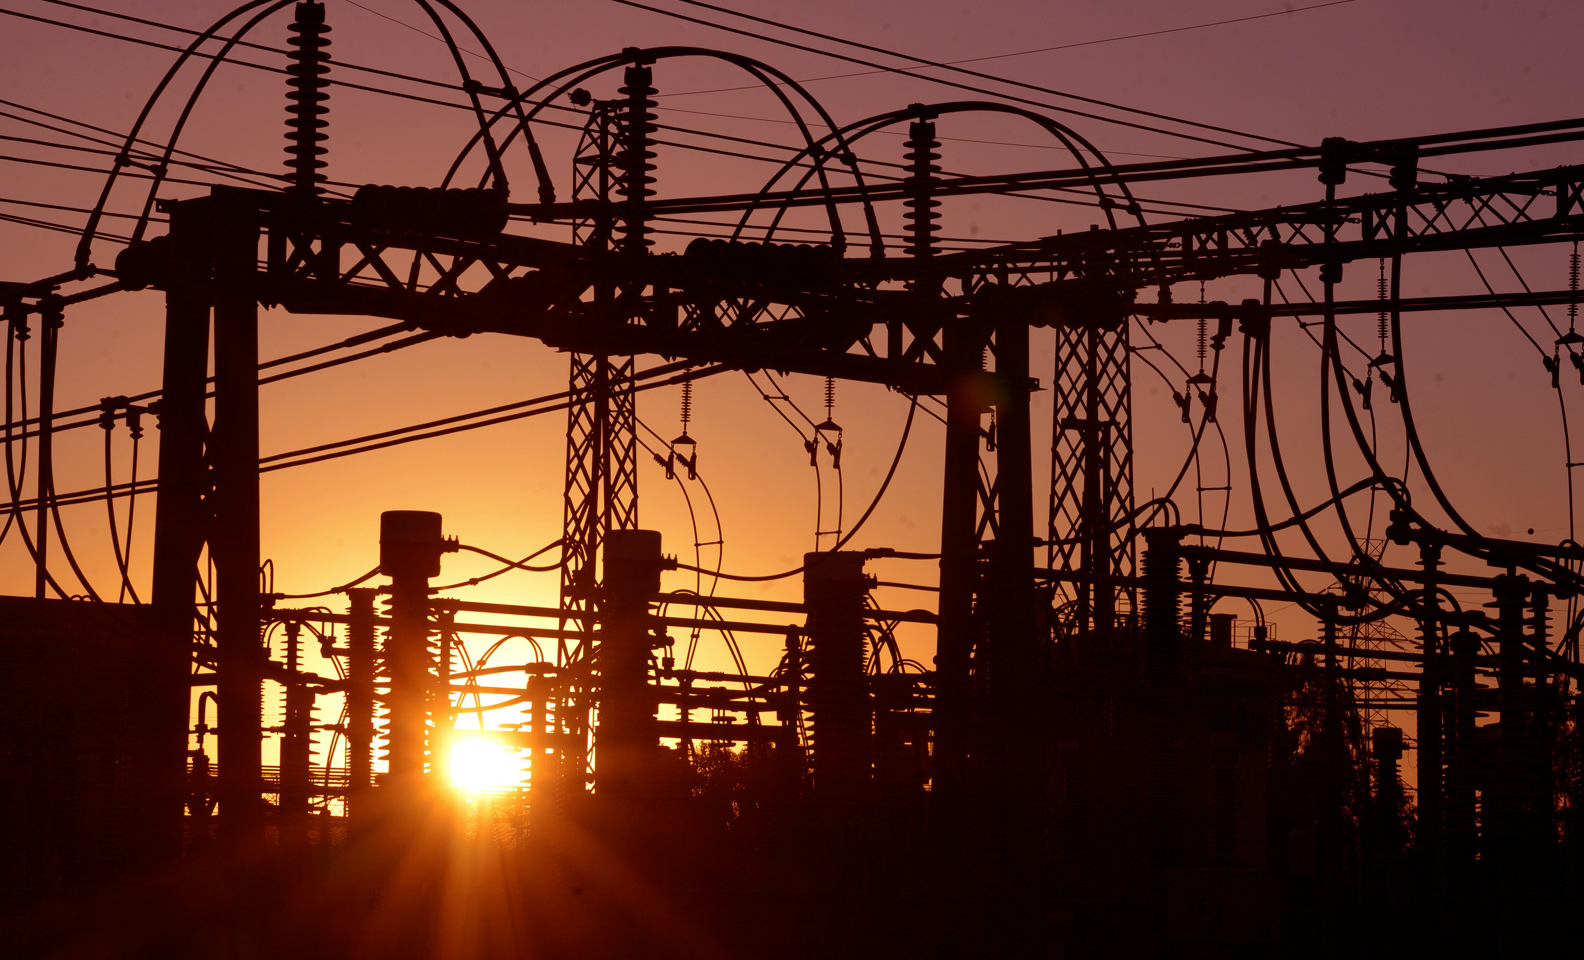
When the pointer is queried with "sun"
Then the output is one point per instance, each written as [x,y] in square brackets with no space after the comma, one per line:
[480,765]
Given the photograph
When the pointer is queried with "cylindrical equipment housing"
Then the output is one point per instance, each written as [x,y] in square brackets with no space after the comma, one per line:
[838,697]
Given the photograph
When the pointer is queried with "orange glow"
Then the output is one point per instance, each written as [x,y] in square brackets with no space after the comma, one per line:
[479,765]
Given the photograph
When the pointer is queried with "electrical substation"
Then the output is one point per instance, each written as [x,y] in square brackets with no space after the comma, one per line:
[1089,739]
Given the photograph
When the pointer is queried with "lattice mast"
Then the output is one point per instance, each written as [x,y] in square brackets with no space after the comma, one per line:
[601,492]
[1091,499]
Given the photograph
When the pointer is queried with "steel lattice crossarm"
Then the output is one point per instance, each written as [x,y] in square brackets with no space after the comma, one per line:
[1463,213]
[785,307]
[438,259]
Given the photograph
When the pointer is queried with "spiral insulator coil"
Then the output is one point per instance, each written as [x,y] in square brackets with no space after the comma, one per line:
[923,174]
[634,160]
[305,109]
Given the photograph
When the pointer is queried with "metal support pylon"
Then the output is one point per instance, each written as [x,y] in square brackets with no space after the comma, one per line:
[1091,498]
[601,492]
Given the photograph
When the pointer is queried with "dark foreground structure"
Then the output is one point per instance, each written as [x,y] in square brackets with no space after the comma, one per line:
[1100,760]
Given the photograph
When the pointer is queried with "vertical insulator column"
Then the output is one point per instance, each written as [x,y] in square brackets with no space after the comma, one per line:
[1161,653]
[442,720]
[627,737]
[1461,833]
[1429,834]
[1198,602]
[296,753]
[1390,839]
[790,762]
[305,109]
[1162,637]
[360,701]
[635,159]
[1505,821]
[1539,772]
[410,548]
[923,164]
[1330,747]
[838,701]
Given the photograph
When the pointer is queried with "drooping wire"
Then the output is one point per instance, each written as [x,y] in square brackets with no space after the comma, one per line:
[122,557]
[17,336]
[885,484]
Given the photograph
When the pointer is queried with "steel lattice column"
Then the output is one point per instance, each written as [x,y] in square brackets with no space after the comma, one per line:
[1091,497]
[601,491]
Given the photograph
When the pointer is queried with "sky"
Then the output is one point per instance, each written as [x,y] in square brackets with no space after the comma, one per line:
[1290,72]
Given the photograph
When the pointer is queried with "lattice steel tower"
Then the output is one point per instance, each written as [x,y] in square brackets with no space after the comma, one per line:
[1091,501]
[601,492]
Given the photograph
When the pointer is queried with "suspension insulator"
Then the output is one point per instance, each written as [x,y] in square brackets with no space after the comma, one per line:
[1382,321]
[635,158]
[305,109]
[923,175]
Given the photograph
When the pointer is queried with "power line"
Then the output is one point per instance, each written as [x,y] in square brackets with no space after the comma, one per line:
[1023,53]
[121,139]
[138,175]
[969,87]
[57,206]
[103,152]
[887,133]
[409,96]
[57,227]
[445,426]
[441,84]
